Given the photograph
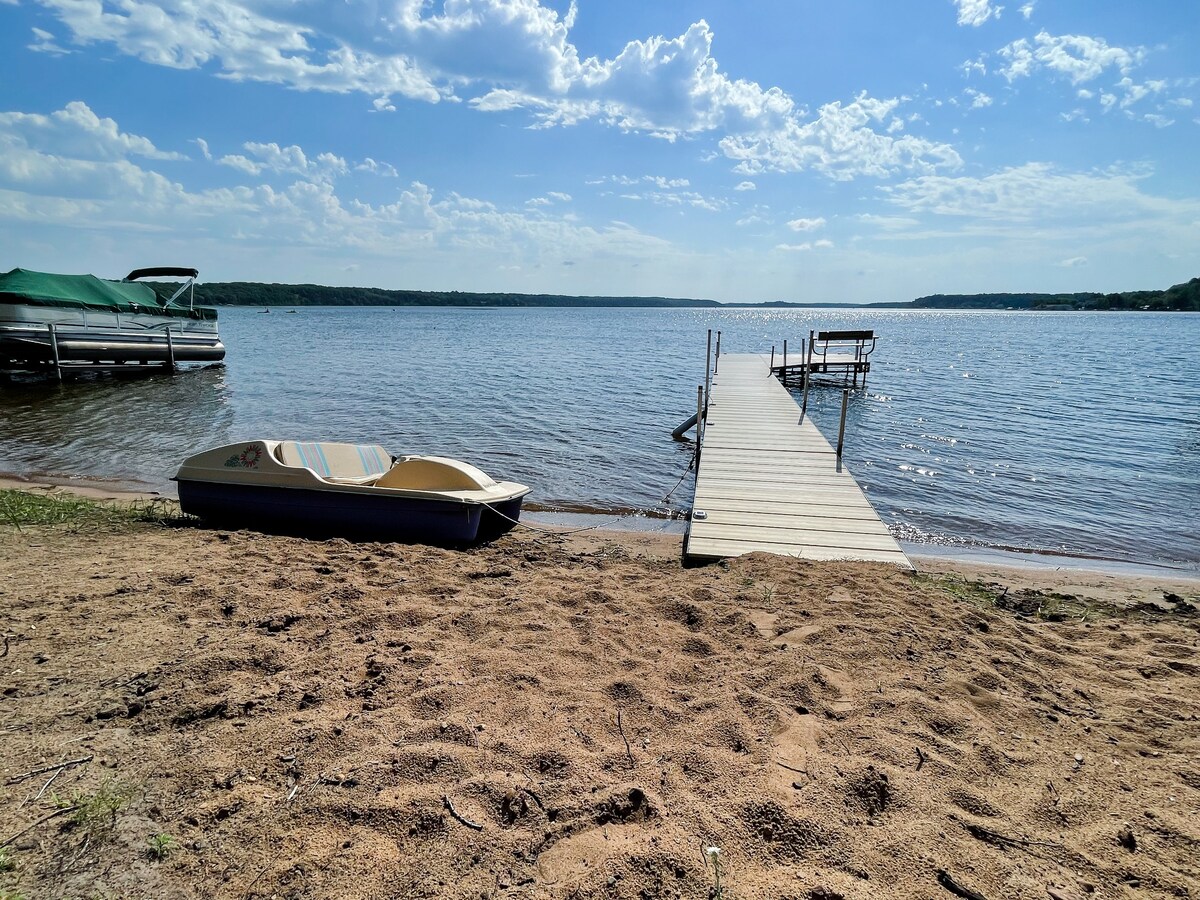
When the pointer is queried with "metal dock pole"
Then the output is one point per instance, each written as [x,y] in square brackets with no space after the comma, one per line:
[807,378]
[699,417]
[170,350]
[708,366]
[717,359]
[54,351]
[842,424]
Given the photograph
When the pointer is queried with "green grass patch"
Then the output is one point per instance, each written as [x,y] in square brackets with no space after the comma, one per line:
[159,847]
[25,509]
[96,813]
[1048,606]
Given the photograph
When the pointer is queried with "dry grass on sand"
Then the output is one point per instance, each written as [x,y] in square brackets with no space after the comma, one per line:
[256,716]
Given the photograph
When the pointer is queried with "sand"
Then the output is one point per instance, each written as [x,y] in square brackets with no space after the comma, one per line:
[579,717]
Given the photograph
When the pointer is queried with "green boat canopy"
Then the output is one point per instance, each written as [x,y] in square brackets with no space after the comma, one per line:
[89,292]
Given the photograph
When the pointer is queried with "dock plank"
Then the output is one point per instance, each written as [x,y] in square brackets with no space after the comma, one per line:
[768,481]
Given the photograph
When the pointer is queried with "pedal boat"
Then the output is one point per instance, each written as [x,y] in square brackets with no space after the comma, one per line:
[350,490]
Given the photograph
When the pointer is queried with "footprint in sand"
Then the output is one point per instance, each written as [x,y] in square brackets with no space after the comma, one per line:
[767,624]
[793,746]
[838,683]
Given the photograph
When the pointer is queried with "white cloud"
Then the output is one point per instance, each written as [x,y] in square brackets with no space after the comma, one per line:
[203,145]
[1027,10]
[1135,92]
[806,224]
[746,186]
[45,43]
[1074,262]
[286,160]
[979,100]
[86,178]
[550,199]
[976,12]
[374,167]
[76,130]
[1158,121]
[507,55]
[889,223]
[1078,57]
[806,246]
[656,180]
[1081,59]
[841,144]
[1037,192]
[243,44]
[678,198]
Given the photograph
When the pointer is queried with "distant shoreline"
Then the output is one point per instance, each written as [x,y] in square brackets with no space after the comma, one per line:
[1179,298]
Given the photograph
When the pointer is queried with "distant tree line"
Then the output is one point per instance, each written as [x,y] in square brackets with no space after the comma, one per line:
[1180,297]
[248,293]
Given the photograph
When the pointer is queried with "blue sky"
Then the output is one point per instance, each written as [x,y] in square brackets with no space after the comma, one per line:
[770,150]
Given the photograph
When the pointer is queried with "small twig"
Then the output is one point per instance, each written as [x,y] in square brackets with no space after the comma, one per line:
[87,842]
[49,782]
[45,818]
[536,799]
[628,752]
[792,768]
[262,872]
[920,758]
[994,837]
[459,816]
[957,889]
[4,637]
[44,769]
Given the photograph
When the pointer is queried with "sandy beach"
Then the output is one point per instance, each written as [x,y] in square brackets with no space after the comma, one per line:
[580,717]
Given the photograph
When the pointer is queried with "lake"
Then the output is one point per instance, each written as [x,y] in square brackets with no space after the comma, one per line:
[1073,433]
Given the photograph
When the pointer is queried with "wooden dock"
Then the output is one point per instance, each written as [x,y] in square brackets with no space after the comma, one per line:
[767,481]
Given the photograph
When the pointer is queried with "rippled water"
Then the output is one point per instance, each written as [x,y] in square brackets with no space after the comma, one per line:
[1073,432]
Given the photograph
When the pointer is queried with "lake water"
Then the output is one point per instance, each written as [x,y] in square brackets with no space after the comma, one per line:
[1062,432]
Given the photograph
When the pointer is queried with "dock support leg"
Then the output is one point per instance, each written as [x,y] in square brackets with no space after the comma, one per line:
[842,425]
[771,371]
[682,428]
[783,371]
[170,351]
[717,358]
[54,351]
[699,419]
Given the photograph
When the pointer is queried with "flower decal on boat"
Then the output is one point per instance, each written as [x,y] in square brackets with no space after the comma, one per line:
[247,459]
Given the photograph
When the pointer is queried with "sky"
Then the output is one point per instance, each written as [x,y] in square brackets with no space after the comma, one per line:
[735,150]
